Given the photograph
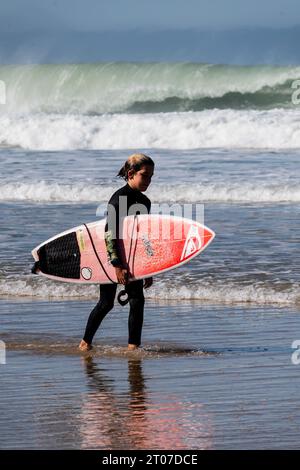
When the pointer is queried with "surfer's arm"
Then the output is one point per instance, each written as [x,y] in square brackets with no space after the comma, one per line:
[113,255]
[112,249]
[112,230]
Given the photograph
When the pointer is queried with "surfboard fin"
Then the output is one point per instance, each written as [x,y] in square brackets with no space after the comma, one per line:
[36,267]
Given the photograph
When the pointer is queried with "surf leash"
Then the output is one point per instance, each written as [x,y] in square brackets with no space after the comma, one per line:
[123,292]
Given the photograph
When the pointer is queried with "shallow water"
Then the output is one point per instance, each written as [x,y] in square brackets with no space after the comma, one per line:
[207,377]
[215,370]
[251,201]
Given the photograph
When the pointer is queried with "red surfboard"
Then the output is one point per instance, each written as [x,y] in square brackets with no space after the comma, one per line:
[151,244]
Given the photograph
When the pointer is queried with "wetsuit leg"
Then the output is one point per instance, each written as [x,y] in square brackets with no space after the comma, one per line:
[105,304]
[136,313]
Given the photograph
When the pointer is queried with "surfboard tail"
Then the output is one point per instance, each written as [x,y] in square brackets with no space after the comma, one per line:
[36,267]
[59,257]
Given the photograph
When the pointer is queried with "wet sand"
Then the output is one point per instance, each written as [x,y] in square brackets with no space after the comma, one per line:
[207,377]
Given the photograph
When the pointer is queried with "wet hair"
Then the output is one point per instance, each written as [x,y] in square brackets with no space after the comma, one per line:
[135,162]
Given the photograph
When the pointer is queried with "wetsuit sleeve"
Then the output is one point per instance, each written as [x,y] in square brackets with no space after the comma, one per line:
[112,233]
[112,249]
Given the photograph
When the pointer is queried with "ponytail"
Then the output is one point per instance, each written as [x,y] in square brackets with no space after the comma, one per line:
[135,163]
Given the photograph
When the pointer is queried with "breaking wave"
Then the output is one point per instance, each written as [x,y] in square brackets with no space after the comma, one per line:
[244,192]
[217,292]
[273,129]
[145,87]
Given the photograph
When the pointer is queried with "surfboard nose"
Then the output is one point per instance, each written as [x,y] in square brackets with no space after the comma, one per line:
[208,236]
[197,239]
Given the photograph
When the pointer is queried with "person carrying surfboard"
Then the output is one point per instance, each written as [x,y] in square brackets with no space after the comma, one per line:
[137,171]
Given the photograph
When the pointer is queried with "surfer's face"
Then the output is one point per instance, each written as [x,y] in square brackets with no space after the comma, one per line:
[141,179]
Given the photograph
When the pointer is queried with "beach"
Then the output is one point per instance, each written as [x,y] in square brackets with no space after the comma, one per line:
[218,364]
[207,377]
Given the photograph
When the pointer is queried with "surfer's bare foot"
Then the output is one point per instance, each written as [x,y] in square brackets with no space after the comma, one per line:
[132,347]
[84,346]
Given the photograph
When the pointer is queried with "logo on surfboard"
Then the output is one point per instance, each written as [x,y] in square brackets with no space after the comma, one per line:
[192,244]
[147,245]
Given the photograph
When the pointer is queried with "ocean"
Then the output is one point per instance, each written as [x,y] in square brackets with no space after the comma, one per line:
[216,370]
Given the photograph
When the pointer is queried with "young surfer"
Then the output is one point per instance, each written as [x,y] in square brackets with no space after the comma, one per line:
[137,172]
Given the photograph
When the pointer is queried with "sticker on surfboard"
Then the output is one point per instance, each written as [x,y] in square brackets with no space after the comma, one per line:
[86,273]
[193,243]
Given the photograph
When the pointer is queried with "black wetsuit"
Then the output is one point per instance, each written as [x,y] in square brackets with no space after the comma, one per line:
[121,206]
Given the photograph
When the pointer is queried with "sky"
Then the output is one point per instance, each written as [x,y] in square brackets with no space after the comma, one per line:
[103,15]
[217,31]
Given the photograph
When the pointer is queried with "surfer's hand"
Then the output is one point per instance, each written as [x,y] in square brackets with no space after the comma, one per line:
[148,282]
[122,275]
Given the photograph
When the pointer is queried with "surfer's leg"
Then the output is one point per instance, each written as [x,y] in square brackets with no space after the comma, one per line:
[105,304]
[136,314]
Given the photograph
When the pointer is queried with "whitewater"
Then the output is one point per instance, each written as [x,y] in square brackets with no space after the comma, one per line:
[42,191]
[154,105]
[270,129]
[226,137]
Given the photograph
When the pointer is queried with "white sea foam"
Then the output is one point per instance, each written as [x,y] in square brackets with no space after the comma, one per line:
[273,129]
[209,292]
[226,293]
[189,193]
[41,288]
[54,192]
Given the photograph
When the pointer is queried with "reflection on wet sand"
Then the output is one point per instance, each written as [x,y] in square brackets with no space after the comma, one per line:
[135,418]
